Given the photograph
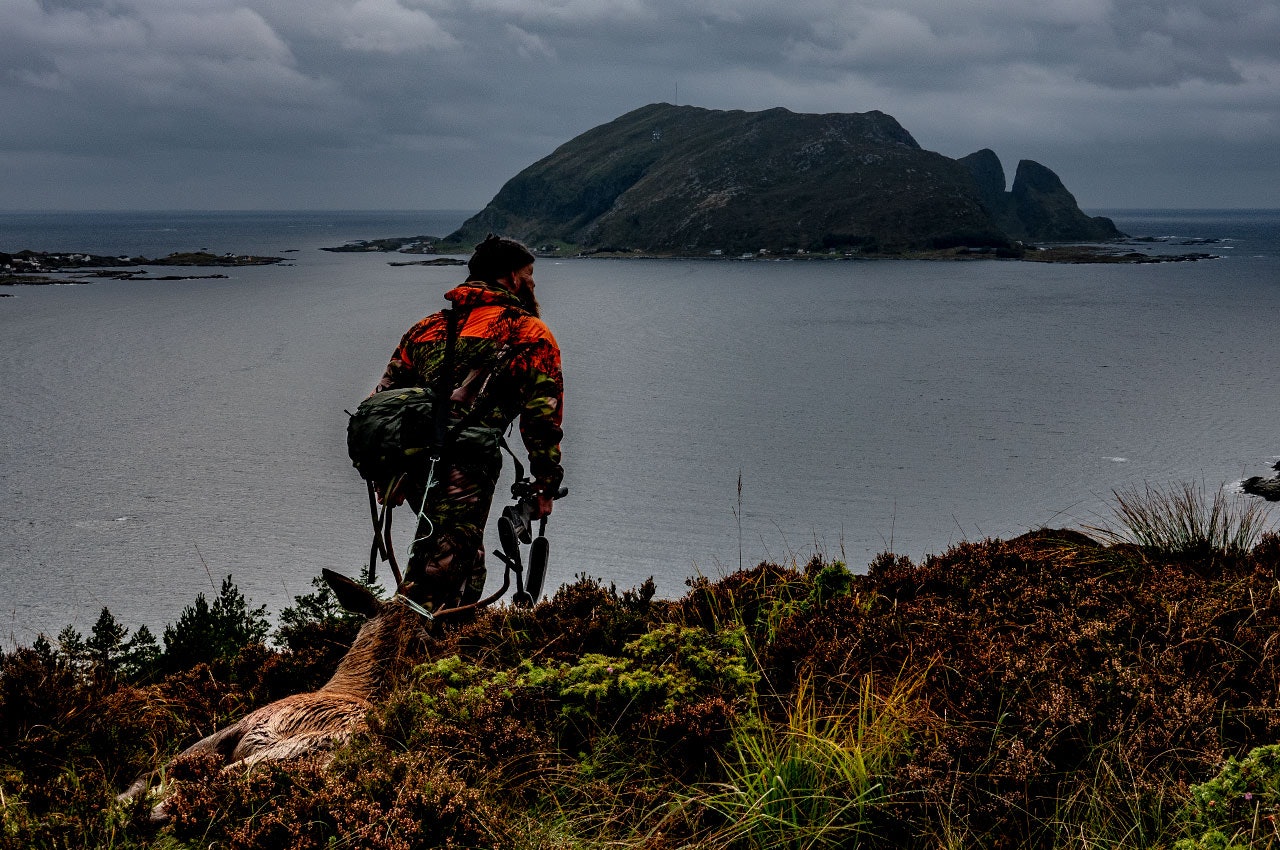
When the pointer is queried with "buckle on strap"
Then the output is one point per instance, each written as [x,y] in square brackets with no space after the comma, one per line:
[415,607]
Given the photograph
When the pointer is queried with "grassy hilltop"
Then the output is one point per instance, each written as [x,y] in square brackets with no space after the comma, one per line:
[1055,690]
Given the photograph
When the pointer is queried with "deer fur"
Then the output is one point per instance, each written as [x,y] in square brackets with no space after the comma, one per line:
[304,724]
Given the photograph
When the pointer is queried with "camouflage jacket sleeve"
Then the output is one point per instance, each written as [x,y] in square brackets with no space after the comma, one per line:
[400,371]
[543,412]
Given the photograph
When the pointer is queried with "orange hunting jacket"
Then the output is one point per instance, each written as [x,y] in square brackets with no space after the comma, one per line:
[505,361]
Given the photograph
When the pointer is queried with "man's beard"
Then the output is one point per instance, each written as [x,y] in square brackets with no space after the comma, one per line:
[529,301]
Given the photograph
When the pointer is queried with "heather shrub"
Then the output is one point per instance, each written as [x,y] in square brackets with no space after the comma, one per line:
[372,798]
[1052,690]
[1057,662]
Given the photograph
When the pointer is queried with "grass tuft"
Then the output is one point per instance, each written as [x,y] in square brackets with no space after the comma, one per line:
[1185,519]
[810,782]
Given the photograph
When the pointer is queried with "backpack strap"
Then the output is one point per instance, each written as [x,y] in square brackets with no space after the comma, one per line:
[455,318]
[486,402]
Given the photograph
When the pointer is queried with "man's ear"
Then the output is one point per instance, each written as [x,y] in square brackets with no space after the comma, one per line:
[352,596]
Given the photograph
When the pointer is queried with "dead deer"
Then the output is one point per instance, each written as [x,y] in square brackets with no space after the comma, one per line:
[304,724]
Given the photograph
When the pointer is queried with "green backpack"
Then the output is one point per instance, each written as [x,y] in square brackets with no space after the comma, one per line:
[395,433]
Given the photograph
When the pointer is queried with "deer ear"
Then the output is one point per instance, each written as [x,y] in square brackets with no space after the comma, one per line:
[354,597]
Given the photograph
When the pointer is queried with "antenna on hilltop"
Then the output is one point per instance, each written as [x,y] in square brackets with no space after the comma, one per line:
[677,100]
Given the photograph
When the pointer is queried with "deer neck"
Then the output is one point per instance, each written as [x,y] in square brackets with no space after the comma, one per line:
[377,649]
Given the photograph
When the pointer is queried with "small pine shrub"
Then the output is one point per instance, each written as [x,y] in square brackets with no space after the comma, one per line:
[830,581]
[208,633]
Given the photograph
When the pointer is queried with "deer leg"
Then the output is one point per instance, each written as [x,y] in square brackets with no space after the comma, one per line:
[297,746]
[223,742]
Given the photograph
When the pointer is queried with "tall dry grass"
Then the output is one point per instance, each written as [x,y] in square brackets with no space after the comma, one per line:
[1186,519]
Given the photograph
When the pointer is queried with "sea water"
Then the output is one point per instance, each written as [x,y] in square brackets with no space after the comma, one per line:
[156,436]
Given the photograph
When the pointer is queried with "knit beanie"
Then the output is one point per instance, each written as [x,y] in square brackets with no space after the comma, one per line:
[497,256]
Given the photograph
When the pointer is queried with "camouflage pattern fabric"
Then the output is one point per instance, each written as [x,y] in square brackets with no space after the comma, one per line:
[506,366]
[446,560]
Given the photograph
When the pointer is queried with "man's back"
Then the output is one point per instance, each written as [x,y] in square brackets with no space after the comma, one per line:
[506,364]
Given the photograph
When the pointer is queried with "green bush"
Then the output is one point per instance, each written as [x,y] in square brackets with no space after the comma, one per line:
[1238,807]
[668,667]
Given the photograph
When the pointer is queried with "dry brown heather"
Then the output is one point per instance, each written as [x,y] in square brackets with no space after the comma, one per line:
[1043,691]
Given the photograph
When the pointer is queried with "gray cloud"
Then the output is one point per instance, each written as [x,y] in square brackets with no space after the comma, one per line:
[411,103]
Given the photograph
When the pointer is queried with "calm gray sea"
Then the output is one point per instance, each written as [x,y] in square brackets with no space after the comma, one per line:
[155,436]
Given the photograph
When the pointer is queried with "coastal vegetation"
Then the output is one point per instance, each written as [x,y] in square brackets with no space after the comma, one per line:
[1116,252]
[1115,686]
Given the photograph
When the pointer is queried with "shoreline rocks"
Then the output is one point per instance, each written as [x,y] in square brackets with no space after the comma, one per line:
[1048,253]
[438,261]
[44,262]
[32,268]
[1266,488]
[402,244]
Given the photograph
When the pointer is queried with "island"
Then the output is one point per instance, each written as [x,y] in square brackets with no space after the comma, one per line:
[670,180]
[33,268]
[683,181]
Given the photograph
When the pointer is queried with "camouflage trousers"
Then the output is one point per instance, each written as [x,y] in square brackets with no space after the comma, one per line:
[446,560]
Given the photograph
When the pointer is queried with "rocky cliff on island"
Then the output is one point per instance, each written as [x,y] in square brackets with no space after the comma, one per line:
[686,181]
[1037,208]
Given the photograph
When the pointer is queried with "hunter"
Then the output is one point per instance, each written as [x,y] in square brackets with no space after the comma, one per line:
[505,364]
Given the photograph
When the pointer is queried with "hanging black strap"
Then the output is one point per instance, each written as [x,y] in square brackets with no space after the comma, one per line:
[502,444]
[455,318]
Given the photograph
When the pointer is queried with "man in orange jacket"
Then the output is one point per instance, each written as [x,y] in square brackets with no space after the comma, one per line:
[506,364]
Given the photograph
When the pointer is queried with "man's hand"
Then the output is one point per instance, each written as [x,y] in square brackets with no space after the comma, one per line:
[540,505]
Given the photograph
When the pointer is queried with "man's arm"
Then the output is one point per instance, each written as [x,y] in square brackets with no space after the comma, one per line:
[541,419]
[400,372]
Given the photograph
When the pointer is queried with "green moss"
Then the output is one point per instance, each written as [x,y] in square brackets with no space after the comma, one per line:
[1237,808]
[670,666]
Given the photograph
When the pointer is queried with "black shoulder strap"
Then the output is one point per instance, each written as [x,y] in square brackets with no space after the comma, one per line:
[455,318]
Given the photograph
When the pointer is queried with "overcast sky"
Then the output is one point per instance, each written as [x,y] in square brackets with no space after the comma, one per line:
[419,104]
